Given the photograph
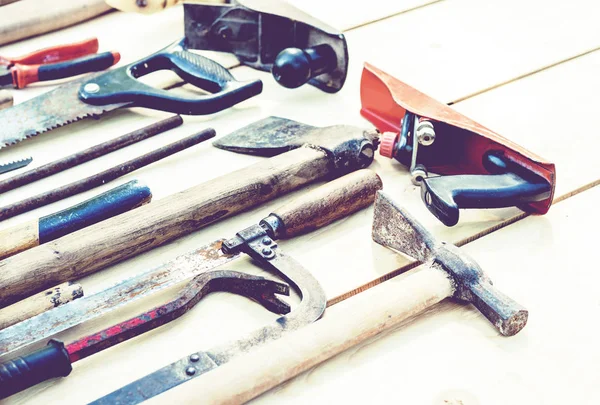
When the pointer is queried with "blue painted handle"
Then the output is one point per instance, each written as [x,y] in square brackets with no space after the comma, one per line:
[106,205]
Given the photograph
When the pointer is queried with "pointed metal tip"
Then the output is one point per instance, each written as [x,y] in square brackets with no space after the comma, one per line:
[14,165]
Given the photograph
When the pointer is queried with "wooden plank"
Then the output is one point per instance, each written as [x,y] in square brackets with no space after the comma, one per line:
[346,15]
[451,354]
[453,49]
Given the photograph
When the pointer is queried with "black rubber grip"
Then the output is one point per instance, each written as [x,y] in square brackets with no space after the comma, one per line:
[121,85]
[23,372]
[61,70]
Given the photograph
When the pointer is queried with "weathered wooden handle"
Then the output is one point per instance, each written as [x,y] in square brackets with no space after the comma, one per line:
[39,303]
[93,248]
[6,99]
[143,6]
[19,238]
[325,204]
[27,18]
[113,202]
[343,326]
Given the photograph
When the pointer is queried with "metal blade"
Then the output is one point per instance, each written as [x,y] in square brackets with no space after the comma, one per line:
[395,228]
[17,164]
[49,323]
[268,137]
[53,109]
[308,311]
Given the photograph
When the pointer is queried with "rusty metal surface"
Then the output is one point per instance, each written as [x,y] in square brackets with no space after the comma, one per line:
[86,155]
[350,147]
[49,323]
[260,246]
[104,177]
[257,288]
[395,228]
[48,111]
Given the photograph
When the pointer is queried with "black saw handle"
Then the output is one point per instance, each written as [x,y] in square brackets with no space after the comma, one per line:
[121,85]
[23,372]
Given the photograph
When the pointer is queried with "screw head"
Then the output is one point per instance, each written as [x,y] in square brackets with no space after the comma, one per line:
[91,88]
[194,358]
[425,133]
[428,199]
[190,371]
[267,252]
[418,174]
[267,241]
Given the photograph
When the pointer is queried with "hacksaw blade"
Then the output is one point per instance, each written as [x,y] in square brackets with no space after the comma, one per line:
[49,323]
[53,109]
[14,165]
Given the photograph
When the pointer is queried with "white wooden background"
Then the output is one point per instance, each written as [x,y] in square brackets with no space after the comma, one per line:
[527,69]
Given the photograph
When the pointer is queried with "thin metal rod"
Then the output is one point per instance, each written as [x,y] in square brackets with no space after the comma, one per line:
[103,177]
[89,154]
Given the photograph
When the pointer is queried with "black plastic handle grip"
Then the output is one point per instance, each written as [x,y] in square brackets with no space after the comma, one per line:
[121,85]
[294,67]
[23,372]
[92,63]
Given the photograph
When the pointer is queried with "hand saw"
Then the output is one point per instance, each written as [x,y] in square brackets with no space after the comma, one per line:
[119,88]
[478,167]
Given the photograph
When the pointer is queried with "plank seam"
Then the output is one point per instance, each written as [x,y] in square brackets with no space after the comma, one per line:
[461,242]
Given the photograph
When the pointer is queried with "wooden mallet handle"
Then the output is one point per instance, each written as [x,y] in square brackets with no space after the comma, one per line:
[325,204]
[344,325]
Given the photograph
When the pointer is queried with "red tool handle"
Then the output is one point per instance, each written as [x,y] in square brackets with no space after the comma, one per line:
[58,53]
[24,74]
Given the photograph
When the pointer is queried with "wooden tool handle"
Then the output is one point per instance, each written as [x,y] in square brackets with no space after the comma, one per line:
[323,205]
[19,238]
[93,248]
[26,18]
[6,99]
[39,303]
[105,205]
[343,326]
[143,7]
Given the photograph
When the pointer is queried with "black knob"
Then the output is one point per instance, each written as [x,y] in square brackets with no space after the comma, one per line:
[294,67]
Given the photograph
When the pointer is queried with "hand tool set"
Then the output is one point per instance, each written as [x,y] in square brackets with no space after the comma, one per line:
[40,260]
[313,210]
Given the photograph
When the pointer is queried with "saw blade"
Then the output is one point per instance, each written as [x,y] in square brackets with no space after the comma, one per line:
[17,164]
[53,109]
[56,320]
